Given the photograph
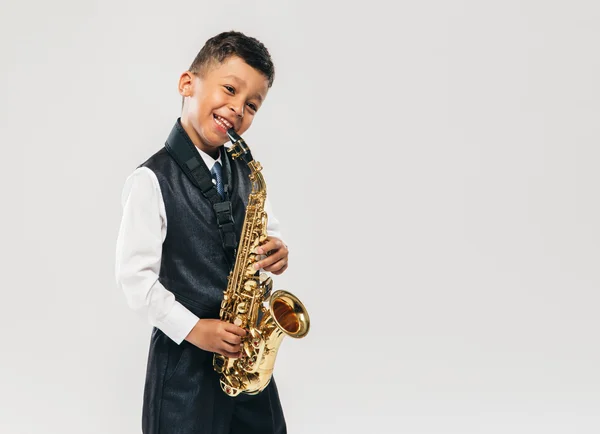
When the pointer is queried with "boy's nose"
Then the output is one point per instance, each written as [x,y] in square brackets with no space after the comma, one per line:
[239,111]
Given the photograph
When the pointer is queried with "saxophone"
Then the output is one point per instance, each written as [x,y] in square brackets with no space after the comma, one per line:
[247,290]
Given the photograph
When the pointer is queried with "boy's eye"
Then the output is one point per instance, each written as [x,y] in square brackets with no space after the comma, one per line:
[230,89]
[253,106]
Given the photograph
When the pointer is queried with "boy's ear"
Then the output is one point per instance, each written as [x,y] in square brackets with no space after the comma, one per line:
[186,81]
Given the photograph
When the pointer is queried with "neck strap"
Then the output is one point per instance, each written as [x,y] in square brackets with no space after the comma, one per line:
[187,157]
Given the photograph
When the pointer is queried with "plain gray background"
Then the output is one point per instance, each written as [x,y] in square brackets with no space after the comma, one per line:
[434,165]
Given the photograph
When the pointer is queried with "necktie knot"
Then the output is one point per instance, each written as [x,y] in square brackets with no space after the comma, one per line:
[217,176]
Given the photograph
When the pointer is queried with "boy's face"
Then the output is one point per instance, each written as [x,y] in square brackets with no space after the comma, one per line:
[225,95]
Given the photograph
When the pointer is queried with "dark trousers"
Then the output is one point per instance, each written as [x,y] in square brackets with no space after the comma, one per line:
[182,395]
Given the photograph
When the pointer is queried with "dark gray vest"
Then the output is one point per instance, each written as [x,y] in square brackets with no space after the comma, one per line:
[194,266]
[182,392]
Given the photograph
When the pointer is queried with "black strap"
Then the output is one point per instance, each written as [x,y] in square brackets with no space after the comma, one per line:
[185,154]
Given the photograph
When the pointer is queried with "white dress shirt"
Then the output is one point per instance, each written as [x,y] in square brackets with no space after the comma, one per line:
[139,248]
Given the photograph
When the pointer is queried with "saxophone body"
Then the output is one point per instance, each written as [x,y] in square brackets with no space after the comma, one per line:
[247,293]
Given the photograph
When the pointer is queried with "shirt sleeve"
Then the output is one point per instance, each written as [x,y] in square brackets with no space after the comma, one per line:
[138,257]
[273,227]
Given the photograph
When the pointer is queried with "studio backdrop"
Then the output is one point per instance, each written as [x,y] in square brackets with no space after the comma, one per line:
[434,166]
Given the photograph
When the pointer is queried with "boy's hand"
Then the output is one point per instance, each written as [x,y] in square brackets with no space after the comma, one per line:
[276,261]
[217,336]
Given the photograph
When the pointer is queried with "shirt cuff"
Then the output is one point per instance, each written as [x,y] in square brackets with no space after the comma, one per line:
[178,323]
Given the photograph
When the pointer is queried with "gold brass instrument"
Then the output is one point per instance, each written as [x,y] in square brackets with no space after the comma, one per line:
[247,290]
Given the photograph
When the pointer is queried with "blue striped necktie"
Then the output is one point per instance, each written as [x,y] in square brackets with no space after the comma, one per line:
[217,176]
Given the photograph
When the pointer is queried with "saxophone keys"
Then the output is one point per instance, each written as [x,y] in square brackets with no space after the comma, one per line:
[250,362]
[266,283]
[255,342]
[219,363]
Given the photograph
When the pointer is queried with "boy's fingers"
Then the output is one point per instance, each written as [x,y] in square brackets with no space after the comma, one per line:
[266,247]
[277,266]
[270,260]
[271,244]
[232,339]
[231,328]
[281,270]
[230,348]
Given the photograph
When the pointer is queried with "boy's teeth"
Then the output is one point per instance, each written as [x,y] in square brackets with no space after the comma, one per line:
[223,122]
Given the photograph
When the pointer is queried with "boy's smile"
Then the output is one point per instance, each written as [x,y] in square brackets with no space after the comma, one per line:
[223,124]
[225,95]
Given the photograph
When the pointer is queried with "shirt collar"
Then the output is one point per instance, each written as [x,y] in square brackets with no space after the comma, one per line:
[208,160]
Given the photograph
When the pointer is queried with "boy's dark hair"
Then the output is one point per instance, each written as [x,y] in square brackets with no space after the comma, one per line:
[226,44]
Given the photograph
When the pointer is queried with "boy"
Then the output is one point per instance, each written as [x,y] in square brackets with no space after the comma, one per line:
[178,275]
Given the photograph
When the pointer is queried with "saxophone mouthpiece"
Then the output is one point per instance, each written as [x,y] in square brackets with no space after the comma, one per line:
[233,136]
[239,148]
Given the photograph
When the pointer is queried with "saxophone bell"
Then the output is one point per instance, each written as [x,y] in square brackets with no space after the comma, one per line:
[289,314]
